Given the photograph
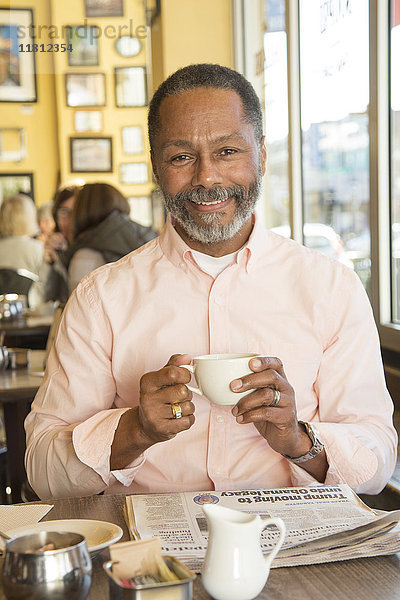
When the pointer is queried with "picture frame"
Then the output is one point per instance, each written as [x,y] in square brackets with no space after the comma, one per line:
[85,45]
[159,213]
[88,120]
[91,154]
[141,211]
[12,144]
[130,86]
[104,8]
[128,46]
[132,139]
[85,89]
[133,173]
[16,183]
[18,70]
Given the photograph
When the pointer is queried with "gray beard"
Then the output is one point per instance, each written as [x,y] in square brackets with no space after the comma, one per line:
[212,232]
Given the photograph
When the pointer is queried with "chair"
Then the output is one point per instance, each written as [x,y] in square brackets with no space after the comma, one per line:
[16,281]
[3,473]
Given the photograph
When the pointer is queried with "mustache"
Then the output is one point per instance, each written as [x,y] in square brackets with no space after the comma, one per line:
[213,194]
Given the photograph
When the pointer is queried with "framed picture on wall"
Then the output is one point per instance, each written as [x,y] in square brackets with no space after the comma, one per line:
[16,183]
[12,144]
[159,214]
[85,46]
[141,210]
[88,120]
[130,86]
[17,61]
[132,139]
[132,173]
[104,8]
[85,89]
[91,154]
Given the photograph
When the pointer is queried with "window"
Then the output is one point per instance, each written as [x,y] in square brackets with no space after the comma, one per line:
[333,179]
[395,157]
[276,183]
[334,83]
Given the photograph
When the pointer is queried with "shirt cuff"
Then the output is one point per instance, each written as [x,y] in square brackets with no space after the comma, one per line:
[127,475]
[92,441]
[349,460]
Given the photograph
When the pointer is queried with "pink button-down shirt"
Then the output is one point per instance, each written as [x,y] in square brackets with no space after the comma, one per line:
[277,299]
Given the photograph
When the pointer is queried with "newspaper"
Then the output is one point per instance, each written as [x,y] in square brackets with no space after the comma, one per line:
[324,523]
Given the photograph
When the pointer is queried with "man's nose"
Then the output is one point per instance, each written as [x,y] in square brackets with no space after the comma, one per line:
[206,172]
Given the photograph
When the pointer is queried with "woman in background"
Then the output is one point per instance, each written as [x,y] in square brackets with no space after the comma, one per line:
[57,243]
[102,230]
[18,249]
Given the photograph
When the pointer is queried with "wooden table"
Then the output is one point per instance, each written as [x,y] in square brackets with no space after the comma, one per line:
[17,390]
[27,332]
[362,579]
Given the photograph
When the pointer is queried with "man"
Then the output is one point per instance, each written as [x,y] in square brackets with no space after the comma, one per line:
[111,417]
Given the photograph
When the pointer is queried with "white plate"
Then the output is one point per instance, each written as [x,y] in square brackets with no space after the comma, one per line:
[98,534]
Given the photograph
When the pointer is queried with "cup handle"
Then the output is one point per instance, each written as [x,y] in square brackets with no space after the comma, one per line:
[282,528]
[195,390]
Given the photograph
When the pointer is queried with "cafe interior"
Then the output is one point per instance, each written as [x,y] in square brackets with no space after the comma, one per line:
[76,79]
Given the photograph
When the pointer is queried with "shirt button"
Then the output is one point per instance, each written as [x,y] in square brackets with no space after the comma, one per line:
[182,264]
[220,419]
[218,301]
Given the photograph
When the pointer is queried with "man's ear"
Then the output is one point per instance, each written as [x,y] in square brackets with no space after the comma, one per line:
[263,155]
[153,164]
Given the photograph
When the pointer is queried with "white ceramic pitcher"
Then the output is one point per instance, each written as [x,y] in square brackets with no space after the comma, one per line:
[234,566]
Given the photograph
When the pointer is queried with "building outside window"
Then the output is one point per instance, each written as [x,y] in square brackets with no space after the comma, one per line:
[334,84]
[334,95]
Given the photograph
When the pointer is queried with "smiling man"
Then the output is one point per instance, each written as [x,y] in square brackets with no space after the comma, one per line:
[208,161]
[114,412]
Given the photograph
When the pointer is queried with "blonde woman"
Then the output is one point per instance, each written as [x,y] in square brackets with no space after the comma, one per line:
[18,249]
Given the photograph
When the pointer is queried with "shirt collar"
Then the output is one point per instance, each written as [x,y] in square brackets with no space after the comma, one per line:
[178,252]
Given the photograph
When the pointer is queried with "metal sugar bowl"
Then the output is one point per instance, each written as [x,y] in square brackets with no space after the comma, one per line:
[47,564]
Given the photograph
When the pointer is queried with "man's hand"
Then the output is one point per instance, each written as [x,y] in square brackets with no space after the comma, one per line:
[55,241]
[277,424]
[158,391]
[153,420]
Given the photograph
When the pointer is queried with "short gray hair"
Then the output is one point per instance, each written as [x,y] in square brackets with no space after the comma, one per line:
[208,76]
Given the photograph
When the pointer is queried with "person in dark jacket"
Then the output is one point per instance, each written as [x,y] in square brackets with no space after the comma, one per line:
[102,230]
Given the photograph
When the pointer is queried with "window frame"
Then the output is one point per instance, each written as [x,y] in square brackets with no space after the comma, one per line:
[380,205]
[246,46]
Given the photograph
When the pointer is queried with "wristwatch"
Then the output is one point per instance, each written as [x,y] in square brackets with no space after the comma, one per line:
[316,448]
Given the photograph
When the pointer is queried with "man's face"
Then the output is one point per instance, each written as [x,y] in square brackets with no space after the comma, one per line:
[208,163]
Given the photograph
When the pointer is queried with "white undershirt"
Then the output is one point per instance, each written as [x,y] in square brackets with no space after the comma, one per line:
[213,265]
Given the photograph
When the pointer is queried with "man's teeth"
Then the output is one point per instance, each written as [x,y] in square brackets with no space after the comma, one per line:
[208,203]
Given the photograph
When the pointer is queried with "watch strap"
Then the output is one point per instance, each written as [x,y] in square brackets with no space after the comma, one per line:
[316,448]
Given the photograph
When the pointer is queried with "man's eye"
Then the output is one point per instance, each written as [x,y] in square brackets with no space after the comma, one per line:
[180,158]
[228,151]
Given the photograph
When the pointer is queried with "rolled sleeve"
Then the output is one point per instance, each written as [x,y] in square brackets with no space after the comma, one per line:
[71,427]
[354,417]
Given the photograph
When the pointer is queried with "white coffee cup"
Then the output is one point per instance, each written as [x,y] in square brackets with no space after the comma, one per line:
[214,373]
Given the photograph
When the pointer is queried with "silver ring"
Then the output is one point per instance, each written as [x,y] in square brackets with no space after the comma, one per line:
[276,400]
[176,411]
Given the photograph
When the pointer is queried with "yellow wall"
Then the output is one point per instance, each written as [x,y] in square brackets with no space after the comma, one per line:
[194,31]
[38,119]
[185,32]
[72,12]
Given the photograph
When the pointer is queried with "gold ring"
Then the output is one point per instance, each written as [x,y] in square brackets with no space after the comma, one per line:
[276,400]
[176,411]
